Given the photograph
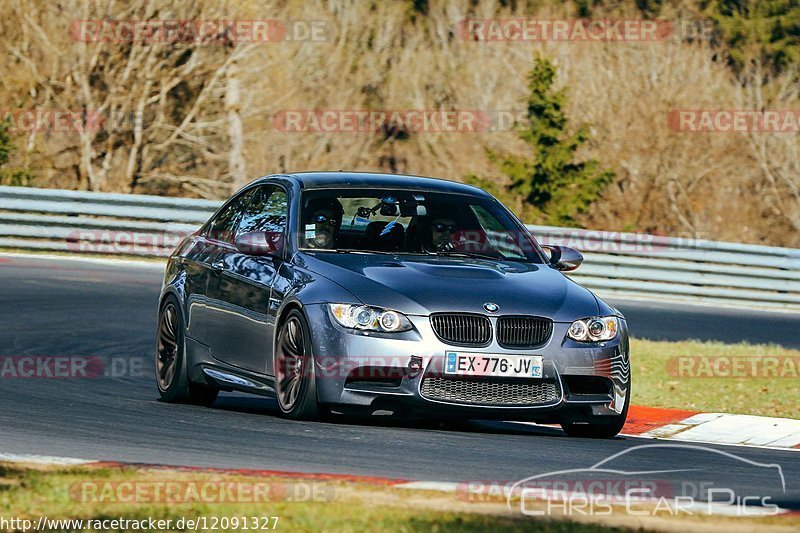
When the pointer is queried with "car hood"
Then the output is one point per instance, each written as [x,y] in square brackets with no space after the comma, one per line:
[419,286]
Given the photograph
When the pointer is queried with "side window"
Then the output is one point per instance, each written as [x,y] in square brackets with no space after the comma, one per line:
[223,227]
[267,211]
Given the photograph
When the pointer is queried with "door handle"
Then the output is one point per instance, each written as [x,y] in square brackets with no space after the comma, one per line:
[218,266]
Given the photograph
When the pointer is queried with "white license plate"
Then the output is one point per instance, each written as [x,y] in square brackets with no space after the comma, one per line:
[484,364]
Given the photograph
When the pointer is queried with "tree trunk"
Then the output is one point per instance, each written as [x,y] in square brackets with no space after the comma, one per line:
[236,161]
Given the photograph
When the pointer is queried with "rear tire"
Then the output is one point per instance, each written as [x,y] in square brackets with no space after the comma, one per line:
[172,376]
[608,428]
[295,374]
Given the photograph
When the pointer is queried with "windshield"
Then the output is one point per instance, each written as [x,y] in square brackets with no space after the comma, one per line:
[408,222]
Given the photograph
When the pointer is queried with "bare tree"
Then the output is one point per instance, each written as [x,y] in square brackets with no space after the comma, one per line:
[168,108]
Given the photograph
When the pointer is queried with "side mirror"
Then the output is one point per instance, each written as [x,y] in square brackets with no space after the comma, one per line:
[564,258]
[260,243]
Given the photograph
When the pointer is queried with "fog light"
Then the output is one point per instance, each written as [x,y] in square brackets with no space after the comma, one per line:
[414,366]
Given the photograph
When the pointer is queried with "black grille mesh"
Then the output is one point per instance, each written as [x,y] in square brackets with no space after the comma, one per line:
[523,331]
[462,328]
[489,393]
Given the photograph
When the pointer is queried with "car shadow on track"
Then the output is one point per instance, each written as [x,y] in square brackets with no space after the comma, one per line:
[269,407]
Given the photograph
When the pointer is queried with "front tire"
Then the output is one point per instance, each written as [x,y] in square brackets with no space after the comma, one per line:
[172,377]
[608,428]
[295,375]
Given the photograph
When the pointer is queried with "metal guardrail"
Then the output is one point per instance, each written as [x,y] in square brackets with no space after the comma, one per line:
[616,264]
[698,270]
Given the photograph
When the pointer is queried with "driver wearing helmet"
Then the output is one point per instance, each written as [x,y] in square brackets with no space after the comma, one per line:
[322,226]
[443,234]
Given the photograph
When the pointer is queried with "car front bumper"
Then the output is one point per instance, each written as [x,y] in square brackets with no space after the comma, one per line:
[387,372]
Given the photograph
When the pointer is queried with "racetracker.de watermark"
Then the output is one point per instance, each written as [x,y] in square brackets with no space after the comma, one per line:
[612,489]
[193,31]
[208,491]
[143,242]
[524,30]
[764,366]
[538,30]
[124,242]
[400,121]
[69,367]
[734,121]
[23,121]
[599,241]
[51,120]
[383,121]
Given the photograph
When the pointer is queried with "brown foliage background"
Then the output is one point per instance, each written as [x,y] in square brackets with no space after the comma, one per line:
[197,119]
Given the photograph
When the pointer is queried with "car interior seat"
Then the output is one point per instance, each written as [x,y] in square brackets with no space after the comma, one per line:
[377,237]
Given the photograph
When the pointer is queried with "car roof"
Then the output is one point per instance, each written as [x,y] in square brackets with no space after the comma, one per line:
[348,179]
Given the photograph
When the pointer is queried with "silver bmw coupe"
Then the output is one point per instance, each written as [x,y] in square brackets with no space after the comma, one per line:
[342,292]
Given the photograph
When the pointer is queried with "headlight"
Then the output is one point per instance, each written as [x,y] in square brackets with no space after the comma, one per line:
[602,328]
[368,318]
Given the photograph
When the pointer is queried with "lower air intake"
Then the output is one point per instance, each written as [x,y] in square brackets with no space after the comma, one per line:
[474,392]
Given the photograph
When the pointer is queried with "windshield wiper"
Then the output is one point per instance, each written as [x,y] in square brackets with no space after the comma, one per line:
[359,251]
[473,255]
[470,254]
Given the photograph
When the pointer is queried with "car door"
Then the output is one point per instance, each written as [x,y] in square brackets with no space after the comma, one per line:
[242,288]
[203,266]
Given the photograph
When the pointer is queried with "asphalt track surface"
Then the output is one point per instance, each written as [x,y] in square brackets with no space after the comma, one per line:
[55,307]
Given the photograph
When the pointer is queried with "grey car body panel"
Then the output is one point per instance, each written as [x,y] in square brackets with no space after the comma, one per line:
[561,358]
[405,283]
[232,314]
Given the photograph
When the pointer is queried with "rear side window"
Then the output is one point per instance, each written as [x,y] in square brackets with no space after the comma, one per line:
[223,226]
